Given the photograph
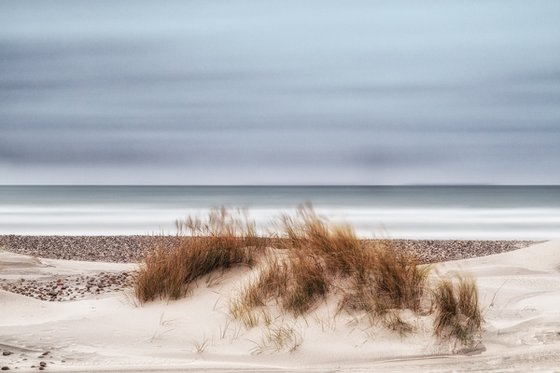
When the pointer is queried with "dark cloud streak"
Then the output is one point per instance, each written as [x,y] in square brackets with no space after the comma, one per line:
[321,92]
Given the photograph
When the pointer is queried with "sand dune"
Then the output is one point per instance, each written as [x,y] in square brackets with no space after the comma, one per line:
[519,292]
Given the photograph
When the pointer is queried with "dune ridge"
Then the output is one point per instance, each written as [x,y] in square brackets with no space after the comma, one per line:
[519,294]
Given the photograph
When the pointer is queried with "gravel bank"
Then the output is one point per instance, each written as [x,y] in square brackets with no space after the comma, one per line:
[444,250]
[127,249]
[66,288]
[117,249]
[132,248]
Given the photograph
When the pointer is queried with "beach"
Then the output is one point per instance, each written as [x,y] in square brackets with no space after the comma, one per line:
[259,186]
[104,328]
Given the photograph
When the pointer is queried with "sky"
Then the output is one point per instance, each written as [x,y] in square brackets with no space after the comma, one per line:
[279,92]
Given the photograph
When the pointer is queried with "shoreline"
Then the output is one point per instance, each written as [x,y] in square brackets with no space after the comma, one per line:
[131,248]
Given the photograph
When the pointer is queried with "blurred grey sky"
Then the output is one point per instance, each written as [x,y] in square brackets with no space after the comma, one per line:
[279,92]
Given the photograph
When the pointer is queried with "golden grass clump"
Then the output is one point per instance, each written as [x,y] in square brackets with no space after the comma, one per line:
[337,246]
[271,282]
[399,281]
[457,310]
[295,282]
[385,279]
[302,264]
[199,248]
[307,283]
[373,277]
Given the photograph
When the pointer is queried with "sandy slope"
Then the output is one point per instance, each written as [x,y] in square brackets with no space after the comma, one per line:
[520,292]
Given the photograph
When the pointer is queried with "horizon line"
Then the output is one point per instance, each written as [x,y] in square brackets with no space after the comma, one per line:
[281,185]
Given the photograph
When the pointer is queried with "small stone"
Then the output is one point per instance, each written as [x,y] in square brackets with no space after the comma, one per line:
[7,353]
[42,364]
[5,368]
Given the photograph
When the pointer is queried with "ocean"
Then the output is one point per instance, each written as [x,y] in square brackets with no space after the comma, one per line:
[423,212]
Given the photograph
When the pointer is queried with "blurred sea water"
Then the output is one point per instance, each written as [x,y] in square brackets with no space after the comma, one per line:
[454,212]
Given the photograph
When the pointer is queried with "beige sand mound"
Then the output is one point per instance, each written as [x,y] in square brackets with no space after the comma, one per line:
[519,292]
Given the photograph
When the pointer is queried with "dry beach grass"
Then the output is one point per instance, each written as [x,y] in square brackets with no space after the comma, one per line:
[302,264]
[200,248]
[458,314]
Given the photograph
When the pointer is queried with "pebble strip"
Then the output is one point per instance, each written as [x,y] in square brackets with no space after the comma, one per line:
[16,358]
[117,249]
[130,249]
[433,251]
[66,288]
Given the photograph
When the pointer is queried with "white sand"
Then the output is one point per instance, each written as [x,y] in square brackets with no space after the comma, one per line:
[519,291]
